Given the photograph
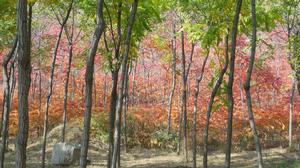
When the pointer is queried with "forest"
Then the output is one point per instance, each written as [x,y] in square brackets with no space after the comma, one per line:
[150,83]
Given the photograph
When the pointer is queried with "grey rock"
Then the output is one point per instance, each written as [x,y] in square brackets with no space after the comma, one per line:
[65,154]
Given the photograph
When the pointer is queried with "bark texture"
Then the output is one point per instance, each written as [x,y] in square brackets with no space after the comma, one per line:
[7,99]
[89,74]
[122,85]
[197,90]
[231,81]
[211,102]
[173,76]
[247,86]
[48,99]
[24,79]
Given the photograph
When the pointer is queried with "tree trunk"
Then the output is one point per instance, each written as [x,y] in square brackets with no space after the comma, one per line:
[247,86]
[198,80]
[46,122]
[24,73]
[95,93]
[173,76]
[70,44]
[33,86]
[211,102]
[8,79]
[184,110]
[133,83]
[7,100]
[115,76]
[179,108]
[40,95]
[291,112]
[124,115]
[112,114]
[123,74]
[89,83]
[126,97]
[12,86]
[230,82]
[105,91]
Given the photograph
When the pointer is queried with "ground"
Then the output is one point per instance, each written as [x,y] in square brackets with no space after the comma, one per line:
[153,158]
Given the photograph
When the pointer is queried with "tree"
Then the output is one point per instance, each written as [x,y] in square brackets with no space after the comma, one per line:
[291,19]
[185,74]
[115,44]
[24,79]
[71,41]
[46,122]
[196,93]
[211,101]
[231,80]
[247,85]
[7,99]
[89,82]
[183,98]
[173,75]
[123,77]
[292,94]
[126,99]
[114,68]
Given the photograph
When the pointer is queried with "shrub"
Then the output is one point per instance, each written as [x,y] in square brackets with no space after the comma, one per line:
[99,127]
[164,140]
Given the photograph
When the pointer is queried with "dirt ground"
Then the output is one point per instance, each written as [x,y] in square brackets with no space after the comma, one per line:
[145,158]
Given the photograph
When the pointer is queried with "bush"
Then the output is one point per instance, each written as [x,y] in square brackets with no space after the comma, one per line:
[138,132]
[99,127]
[245,142]
[164,140]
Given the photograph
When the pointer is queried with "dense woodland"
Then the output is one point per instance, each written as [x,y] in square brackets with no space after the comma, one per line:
[191,77]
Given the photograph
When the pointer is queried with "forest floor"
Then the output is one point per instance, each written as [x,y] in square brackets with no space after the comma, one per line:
[152,158]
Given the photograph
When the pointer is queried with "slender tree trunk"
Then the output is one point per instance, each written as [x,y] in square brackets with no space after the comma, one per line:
[123,74]
[70,44]
[95,93]
[211,102]
[197,87]
[173,76]
[13,79]
[145,100]
[39,88]
[105,91]
[179,108]
[12,86]
[7,100]
[8,80]
[115,76]
[247,86]
[40,95]
[33,84]
[46,122]
[112,114]
[24,73]
[82,93]
[126,97]
[291,112]
[184,108]
[2,115]
[133,83]
[89,83]
[124,115]
[242,97]
[230,82]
